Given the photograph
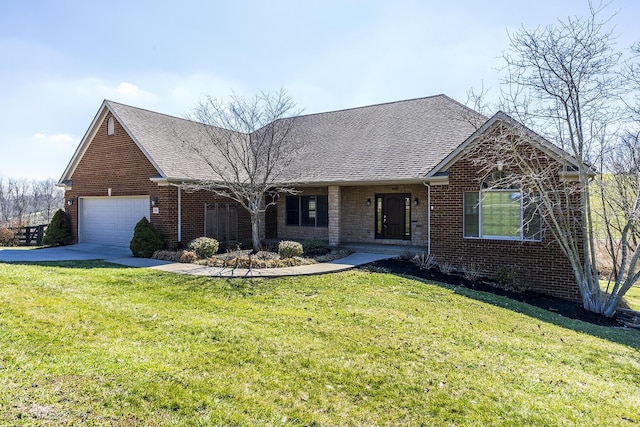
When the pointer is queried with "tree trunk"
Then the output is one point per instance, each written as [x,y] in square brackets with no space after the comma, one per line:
[255,231]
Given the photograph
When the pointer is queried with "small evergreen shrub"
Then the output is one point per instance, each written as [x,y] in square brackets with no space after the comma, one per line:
[146,239]
[315,246]
[289,249]
[204,246]
[333,255]
[59,230]
[7,237]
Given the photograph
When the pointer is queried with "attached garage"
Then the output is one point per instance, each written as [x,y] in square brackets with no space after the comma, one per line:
[110,220]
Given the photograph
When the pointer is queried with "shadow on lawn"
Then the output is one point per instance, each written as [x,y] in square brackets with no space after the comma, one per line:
[557,311]
[80,264]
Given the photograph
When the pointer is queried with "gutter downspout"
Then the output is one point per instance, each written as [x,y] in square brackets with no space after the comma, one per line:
[428,217]
[179,214]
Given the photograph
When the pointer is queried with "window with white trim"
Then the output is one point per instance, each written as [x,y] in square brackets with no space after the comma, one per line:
[501,213]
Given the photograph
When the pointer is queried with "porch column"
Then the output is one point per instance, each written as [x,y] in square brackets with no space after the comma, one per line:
[334,215]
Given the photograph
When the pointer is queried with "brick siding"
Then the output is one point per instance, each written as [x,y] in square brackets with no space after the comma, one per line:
[357,220]
[540,265]
[116,162]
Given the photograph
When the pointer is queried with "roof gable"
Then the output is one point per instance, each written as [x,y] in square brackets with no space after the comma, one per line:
[541,143]
[89,136]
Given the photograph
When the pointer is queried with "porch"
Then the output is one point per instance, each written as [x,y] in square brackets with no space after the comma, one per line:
[377,248]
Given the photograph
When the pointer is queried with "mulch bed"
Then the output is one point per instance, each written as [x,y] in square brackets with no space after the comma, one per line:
[565,308]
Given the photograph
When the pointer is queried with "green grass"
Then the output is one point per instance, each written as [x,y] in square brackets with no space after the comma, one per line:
[632,297]
[93,344]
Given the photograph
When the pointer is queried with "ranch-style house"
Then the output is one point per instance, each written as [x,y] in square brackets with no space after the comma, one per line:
[390,174]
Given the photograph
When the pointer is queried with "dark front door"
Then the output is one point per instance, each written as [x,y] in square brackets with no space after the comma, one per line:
[393,215]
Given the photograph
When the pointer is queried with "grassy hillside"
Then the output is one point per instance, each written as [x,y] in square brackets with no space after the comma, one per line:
[94,344]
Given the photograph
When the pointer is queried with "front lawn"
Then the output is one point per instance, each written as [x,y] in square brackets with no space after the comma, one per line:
[632,297]
[94,344]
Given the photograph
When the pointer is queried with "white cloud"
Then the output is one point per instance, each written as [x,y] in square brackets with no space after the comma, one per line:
[60,140]
[132,93]
[128,89]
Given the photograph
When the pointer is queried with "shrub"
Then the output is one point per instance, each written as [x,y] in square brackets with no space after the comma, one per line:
[188,257]
[333,255]
[173,256]
[59,230]
[146,239]
[507,279]
[470,272]
[445,268]
[315,246]
[204,247]
[7,237]
[289,249]
[233,246]
[424,261]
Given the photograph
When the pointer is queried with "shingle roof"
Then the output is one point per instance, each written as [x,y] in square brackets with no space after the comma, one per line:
[161,138]
[397,141]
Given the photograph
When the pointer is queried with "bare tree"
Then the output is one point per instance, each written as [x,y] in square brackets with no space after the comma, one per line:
[5,201]
[47,198]
[564,81]
[20,192]
[248,146]
[31,201]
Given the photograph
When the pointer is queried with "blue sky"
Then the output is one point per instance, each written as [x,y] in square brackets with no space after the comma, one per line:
[60,59]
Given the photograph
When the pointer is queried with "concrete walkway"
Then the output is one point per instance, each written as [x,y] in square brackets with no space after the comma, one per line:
[122,256]
[351,261]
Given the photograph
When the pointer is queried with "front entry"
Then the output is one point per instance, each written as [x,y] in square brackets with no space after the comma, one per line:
[393,216]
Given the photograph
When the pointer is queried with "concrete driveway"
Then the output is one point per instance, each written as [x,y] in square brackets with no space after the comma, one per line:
[78,252]
[123,256]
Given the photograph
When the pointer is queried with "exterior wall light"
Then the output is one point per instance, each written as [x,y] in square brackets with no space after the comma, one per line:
[369,202]
[154,201]
[70,202]
[416,201]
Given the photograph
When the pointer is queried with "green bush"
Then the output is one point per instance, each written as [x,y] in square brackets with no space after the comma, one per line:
[289,249]
[59,230]
[315,246]
[204,246]
[146,239]
[7,237]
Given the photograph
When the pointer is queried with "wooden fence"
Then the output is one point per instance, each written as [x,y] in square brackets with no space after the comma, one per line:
[30,235]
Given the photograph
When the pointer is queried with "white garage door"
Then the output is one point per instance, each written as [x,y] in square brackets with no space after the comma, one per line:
[111,220]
